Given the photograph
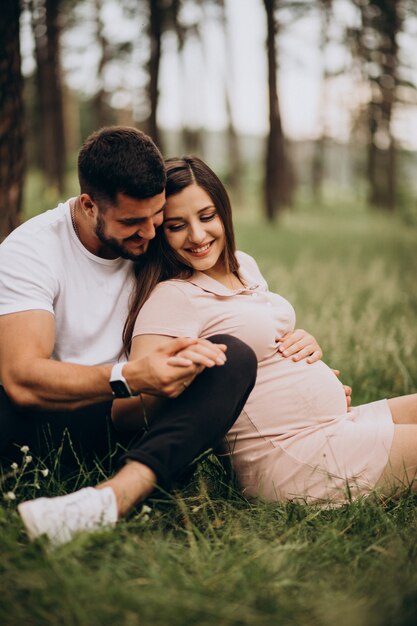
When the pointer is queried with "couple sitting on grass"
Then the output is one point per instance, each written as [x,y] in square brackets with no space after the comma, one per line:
[134,291]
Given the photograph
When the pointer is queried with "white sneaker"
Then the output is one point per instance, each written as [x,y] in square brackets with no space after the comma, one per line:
[63,517]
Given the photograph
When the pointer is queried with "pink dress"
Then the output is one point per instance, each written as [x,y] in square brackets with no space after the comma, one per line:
[295,438]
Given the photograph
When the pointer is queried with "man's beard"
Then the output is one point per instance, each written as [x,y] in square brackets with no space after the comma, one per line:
[113,244]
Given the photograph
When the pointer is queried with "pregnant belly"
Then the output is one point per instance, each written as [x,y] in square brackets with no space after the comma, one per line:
[289,396]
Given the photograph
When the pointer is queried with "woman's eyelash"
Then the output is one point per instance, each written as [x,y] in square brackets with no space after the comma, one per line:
[203,218]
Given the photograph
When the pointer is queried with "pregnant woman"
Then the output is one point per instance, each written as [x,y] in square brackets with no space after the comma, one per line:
[295,438]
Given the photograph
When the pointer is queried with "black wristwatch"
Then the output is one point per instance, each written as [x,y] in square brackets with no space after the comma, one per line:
[118,382]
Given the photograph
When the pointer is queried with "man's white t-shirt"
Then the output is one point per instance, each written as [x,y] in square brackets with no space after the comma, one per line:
[43,265]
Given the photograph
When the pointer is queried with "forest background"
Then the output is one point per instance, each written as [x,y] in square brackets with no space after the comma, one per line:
[296,103]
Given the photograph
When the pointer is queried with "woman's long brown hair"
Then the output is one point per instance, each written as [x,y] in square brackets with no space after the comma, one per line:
[161,262]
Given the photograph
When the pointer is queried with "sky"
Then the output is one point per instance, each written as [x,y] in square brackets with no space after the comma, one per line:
[241,62]
[192,85]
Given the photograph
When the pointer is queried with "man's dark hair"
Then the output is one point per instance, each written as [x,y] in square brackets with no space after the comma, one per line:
[120,159]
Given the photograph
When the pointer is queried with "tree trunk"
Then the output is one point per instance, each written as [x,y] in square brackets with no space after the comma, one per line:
[389,82]
[278,182]
[319,156]
[102,109]
[12,131]
[375,193]
[46,23]
[383,20]
[233,149]
[233,145]
[392,175]
[155,36]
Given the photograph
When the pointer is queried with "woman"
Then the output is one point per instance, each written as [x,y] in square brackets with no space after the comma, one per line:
[295,438]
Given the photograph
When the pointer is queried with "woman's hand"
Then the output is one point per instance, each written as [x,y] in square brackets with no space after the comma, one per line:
[300,345]
[347,390]
[202,352]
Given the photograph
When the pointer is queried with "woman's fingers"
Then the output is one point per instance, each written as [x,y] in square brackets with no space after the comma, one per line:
[291,349]
[178,361]
[287,341]
[177,344]
[294,348]
[316,356]
[199,358]
[202,353]
[300,345]
[300,350]
[348,392]
[301,353]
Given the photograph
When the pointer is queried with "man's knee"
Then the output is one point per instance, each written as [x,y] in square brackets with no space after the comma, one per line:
[8,421]
[241,359]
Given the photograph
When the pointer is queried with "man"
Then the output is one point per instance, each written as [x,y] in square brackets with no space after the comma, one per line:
[65,280]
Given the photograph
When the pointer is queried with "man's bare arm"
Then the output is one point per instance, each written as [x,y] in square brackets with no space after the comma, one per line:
[32,379]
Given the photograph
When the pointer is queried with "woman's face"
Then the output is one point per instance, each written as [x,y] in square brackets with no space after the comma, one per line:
[193,228]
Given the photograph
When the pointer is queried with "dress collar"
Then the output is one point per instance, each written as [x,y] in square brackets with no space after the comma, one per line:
[213,286]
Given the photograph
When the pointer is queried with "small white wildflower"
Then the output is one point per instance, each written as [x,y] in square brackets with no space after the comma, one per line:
[10,495]
[28,458]
[24,449]
[145,518]
[14,467]
[146,509]
[45,472]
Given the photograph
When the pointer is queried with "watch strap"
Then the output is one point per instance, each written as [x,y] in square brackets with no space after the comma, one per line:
[118,382]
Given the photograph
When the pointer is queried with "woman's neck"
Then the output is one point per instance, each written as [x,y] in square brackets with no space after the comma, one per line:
[228,279]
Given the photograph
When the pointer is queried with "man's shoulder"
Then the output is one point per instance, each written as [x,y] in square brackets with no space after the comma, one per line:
[44,222]
[38,233]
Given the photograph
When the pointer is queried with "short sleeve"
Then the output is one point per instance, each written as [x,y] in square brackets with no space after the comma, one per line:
[250,270]
[27,280]
[168,311]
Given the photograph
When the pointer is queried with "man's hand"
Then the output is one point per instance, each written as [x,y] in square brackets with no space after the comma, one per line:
[170,367]
[299,345]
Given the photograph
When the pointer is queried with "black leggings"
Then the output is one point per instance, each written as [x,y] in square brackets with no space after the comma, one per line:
[184,428]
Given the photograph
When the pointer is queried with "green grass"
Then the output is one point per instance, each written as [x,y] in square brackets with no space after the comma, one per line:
[206,556]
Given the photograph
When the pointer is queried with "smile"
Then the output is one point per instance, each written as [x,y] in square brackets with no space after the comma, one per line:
[135,239]
[202,250]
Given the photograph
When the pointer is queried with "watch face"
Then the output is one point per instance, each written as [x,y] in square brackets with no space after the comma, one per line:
[120,389]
